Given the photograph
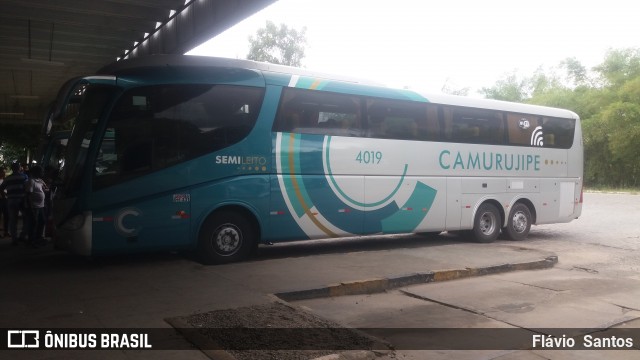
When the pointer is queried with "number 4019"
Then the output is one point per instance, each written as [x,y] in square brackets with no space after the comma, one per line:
[369,157]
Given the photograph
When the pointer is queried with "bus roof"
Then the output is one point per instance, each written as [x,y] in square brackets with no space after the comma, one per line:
[122,66]
[204,61]
[499,105]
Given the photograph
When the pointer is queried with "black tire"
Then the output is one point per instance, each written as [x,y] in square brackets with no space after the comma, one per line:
[226,237]
[487,224]
[519,222]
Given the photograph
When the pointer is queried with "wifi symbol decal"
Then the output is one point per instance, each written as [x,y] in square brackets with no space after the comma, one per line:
[537,137]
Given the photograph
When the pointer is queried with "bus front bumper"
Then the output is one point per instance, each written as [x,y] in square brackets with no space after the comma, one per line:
[74,234]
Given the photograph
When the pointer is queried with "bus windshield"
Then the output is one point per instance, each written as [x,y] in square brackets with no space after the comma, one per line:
[96,99]
[52,153]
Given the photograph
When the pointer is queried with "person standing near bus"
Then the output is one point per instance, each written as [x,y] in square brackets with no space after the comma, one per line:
[14,185]
[35,191]
[4,211]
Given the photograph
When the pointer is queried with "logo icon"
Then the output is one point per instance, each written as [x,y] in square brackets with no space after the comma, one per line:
[524,124]
[21,339]
[537,137]
[124,229]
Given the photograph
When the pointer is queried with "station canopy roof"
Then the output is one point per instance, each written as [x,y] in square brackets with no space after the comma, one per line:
[43,43]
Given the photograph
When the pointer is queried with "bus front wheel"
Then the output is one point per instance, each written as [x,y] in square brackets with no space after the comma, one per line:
[487,223]
[225,238]
[519,222]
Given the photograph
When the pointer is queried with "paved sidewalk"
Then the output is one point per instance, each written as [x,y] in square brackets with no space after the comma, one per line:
[44,288]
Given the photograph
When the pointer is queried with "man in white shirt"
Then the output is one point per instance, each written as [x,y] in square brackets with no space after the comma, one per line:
[35,190]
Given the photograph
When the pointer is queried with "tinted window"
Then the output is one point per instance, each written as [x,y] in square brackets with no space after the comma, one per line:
[405,120]
[558,133]
[152,128]
[524,130]
[315,112]
[540,131]
[318,112]
[475,126]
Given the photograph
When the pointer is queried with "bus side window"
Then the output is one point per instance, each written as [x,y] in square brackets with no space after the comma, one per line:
[431,124]
[447,122]
[520,129]
[475,126]
[287,117]
[558,133]
[137,157]
[318,112]
[397,119]
[155,127]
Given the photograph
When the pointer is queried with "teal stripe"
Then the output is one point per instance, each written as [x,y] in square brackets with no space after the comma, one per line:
[407,220]
[411,95]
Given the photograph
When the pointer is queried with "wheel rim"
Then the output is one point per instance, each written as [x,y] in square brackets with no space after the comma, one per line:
[519,221]
[227,239]
[487,223]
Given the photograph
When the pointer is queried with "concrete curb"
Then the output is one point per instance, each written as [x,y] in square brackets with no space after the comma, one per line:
[377,285]
[369,286]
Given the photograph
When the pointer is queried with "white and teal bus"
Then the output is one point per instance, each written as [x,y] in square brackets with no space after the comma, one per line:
[219,155]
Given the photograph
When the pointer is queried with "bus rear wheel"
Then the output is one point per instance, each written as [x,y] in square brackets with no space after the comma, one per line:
[519,222]
[487,223]
[226,237]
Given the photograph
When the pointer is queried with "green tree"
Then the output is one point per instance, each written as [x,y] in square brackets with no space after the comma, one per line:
[577,73]
[278,45]
[607,98]
[619,66]
[613,122]
[596,153]
[17,141]
[621,122]
[509,88]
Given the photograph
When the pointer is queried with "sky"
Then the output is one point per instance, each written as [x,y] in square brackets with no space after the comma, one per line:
[427,45]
